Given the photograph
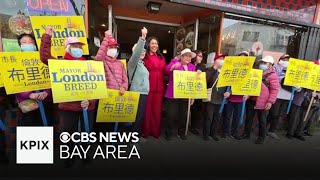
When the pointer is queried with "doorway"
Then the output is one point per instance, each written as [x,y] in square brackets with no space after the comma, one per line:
[128,33]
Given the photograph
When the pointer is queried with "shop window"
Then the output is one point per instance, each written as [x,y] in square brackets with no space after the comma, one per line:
[18,11]
[250,36]
[249,33]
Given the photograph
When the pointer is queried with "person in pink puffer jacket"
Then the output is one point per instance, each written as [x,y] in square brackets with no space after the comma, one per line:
[262,104]
[116,76]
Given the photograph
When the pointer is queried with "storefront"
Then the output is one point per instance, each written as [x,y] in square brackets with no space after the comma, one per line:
[225,26]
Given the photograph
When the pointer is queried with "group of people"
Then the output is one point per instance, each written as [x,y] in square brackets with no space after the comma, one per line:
[146,71]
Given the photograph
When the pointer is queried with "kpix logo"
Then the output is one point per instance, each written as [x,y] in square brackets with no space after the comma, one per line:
[34,145]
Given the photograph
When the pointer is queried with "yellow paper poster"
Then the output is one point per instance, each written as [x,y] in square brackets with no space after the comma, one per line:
[23,71]
[124,62]
[235,70]
[63,27]
[253,85]
[298,73]
[189,85]
[118,108]
[77,80]
[315,78]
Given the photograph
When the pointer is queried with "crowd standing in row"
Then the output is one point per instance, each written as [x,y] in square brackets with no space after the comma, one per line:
[146,70]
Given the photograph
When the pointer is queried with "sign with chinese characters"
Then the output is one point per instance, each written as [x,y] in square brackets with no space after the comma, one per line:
[116,108]
[63,27]
[124,62]
[235,71]
[298,73]
[315,78]
[189,85]
[77,80]
[253,85]
[23,71]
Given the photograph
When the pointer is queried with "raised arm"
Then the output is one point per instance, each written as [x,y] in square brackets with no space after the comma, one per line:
[103,47]
[45,47]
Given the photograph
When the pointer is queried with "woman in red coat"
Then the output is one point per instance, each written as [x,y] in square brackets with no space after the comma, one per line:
[156,65]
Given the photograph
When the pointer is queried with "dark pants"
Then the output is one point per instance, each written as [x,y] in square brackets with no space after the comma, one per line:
[311,118]
[177,110]
[197,112]
[212,119]
[71,120]
[33,118]
[277,111]
[137,125]
[232,117]
[2,133]
[262,119]
[295,121]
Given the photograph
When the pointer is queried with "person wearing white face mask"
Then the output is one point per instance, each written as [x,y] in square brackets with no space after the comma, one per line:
[278,110]
[263,103]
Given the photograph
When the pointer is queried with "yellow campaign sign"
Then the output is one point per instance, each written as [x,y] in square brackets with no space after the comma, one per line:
[253,85]
[63,27]
[189,85]
[298,73]
[124,62]
[116,108]
[1,82]
[235,70]
[23,71]
[315,78]
[77,80]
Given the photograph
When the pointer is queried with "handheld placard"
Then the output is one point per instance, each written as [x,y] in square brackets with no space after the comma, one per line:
[42,112]
[290,102]
[224,100]
[2,126]
[242,112]
[86,121]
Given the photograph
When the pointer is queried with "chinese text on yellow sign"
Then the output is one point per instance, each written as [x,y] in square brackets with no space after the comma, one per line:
[298,73]
[253,85]
[315,78]
[23,71]
[189,85]
[77,80]
[63,27]
[118,108]
[235,70]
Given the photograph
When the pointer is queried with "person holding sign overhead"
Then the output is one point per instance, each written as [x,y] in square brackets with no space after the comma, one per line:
[213,116]
[139,78]
[70,112]
[177,108]
[263,103]
[28,101]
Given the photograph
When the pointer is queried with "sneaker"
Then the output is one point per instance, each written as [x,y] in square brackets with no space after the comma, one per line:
[235,137]
[215,138]
[260,140]
[224,136]
[273,135]
[194,131]
[206,138]
[245,136]
[182,137]
[307,133]
[289,136]
[301,138]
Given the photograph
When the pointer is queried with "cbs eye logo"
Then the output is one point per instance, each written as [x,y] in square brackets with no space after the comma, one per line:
[65,137]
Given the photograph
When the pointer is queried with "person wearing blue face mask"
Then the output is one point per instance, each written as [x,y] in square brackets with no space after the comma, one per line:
[27,43]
